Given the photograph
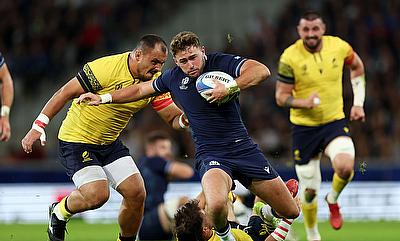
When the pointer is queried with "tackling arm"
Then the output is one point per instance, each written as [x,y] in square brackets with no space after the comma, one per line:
[174,116]
[124,95]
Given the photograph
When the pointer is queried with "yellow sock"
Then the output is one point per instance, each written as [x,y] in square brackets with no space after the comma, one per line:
[338,185]
[63,211]
[310,213]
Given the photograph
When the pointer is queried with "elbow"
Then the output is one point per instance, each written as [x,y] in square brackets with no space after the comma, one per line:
[279,100]
[265,73]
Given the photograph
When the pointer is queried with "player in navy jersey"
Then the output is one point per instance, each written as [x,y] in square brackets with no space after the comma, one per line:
[158,169]
[224,150]
[7,96]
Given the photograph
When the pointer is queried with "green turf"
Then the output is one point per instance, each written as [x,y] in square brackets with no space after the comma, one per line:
[81,231]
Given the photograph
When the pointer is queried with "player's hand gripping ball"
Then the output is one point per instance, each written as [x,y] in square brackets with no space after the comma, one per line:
[206,82]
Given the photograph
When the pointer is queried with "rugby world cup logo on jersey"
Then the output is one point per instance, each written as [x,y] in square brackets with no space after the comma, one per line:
[184,83]
[86,156]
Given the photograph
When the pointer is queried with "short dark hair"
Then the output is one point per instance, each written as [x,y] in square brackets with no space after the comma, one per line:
[189,222]
[311,15]
[149,41]
[183,40]
[155,136]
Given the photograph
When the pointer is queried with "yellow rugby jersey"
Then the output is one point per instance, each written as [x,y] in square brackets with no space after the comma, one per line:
[102,124]
[319,72]
[238,234]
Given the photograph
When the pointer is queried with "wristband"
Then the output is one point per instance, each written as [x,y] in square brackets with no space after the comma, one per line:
[358,84]
[106,98]
[5,111]
[183,123]
[232,87]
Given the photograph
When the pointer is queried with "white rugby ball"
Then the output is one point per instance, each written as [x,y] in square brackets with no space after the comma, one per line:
[206,82]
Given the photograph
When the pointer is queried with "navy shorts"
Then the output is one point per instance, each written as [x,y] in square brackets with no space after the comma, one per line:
[245,168]
[309,141]
[151,228]
[75,156]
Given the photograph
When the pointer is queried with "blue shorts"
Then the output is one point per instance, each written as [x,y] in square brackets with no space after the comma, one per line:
[75,156]
[245,168]
[151,227]
[309,141]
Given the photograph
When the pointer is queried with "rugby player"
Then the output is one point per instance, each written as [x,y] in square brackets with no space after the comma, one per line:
[310,84]
[89,147]
[224,149]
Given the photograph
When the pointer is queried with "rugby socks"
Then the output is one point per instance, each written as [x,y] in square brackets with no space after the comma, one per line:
[310,214]
[225,234]
[338,185]
[61,210]
[282,230]
[120,238]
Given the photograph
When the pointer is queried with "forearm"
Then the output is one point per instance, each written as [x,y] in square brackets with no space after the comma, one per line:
[128,94]
[289,101]
[7,94]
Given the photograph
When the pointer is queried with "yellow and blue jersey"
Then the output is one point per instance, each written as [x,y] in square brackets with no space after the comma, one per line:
[102,124]
[239,235]
[320,72]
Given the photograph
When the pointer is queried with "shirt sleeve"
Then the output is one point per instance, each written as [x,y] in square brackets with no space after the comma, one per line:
[285,71]
[158,165]
[2,61]
[162,101]
[230,64]
[347,51]
[162,83]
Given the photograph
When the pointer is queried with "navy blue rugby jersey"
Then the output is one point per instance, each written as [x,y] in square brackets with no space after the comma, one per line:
[155,175]
[216,129]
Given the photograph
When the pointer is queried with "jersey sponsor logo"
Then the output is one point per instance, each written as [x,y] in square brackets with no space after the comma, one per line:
[267,169]
[86,156]
[214,163]
[184,83]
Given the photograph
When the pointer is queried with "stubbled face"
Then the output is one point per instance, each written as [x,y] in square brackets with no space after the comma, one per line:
[149,62]
[191,61]
[161,148]
[311,32]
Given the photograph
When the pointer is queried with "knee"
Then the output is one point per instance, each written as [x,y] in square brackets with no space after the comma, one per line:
[344,167]
[309,195]
[97,198]
[216,206]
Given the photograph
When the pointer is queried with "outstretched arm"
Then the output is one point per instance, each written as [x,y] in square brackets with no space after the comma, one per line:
[7,96]
[124,95]
[69,91]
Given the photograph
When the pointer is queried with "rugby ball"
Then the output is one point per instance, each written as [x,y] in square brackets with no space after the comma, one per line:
[206,82]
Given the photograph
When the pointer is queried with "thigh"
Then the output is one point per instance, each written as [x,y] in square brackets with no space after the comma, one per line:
[275,193]
[76,156]
[252,167]
[120,169]
[307,143]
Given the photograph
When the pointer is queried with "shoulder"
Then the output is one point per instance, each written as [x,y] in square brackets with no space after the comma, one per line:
[240,235]
[333,41]
[293,50]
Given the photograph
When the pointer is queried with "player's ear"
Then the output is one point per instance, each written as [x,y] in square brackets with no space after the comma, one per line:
[138,54]
[175,60]
[203,49]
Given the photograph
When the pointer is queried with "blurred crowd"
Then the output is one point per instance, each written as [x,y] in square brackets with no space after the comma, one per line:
[373,30]
[43,40]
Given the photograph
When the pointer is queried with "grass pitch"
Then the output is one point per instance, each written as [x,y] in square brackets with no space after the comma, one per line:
[81,231]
